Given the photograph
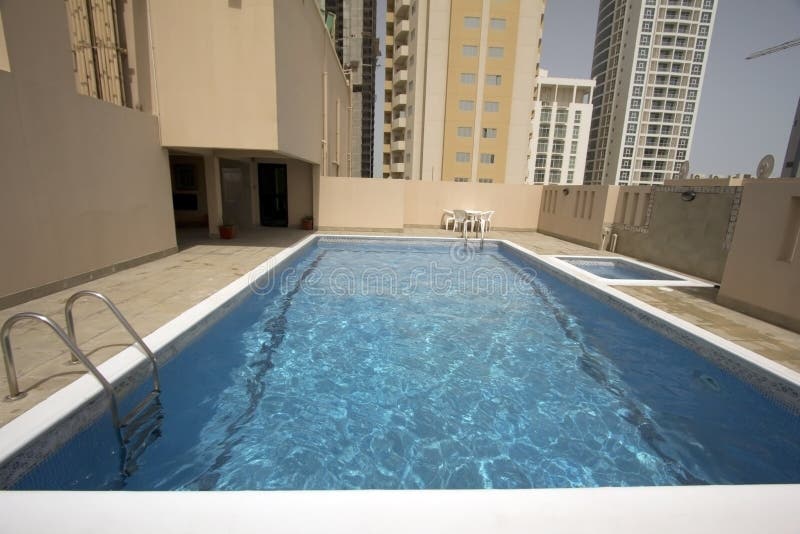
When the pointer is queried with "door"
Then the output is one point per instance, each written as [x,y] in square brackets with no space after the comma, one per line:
[272,195]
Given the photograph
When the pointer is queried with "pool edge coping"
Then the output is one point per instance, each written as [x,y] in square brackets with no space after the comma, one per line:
[683,281]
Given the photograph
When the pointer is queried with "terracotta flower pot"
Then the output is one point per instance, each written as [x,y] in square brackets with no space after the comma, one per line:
[227,231]
[308,224]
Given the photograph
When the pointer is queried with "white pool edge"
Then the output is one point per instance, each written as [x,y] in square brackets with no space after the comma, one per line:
[685,280]
[652,509]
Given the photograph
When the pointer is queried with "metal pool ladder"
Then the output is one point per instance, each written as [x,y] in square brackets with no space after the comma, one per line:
[138,425]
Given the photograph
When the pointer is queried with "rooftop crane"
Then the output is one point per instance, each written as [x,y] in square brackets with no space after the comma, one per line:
[773,49]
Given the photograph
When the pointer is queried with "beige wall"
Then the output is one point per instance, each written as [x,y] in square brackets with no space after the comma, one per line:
[304,56]
[762,274]
[579,216]
[516,206]
[394,204]
[689,237]
[85,183]
[361,203]
[215,73]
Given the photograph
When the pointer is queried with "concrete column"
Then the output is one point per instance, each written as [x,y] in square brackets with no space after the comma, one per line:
[213,193]
[255,208]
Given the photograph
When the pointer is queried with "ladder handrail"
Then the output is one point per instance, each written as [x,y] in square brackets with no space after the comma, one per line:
[11,373]
[118,314]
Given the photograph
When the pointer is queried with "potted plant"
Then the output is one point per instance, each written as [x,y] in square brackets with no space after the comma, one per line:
[308,222]
[227,231]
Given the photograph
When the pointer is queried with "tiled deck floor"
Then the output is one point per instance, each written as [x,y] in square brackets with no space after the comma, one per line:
[152,294]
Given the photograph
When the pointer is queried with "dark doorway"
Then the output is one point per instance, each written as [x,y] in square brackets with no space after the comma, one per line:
[272,198]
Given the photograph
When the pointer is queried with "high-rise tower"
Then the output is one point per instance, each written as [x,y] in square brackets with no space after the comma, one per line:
[460,78]
[650,57]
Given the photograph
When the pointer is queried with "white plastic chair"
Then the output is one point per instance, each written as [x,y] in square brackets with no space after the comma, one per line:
[461,220]
[449,217]
[487,217]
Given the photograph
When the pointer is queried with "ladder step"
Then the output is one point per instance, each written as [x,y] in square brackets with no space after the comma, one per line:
[139,408]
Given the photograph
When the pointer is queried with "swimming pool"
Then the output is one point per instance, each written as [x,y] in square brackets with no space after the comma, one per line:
[408,364]
[617,269]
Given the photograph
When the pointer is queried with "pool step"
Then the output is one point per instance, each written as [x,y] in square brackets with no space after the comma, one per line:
[140,428]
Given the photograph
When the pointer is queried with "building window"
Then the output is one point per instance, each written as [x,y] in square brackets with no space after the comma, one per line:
[555,176]
[460,179]
[472,22]
[626,164]
[697,69]
[464,131]
[708,4]
[683,143]
[691,94]
[570,177]
[638,78]
[687,119]
[694,82]
[637,90]
[649,12]
[487,159]
[496,51]
[641,65]
[557,161]
[630,140]
[558,146]
[491,107]
[685,130]
[562,114]
[98,54]
[576,130]
[636,103]
[642,53]
[572,162]
[544,130]
[705,17]
[689,107]
[644,40]
[466,105]
[538,176]
[546,114]
[624,176]
[462,157]
[681,155]
[574,148]
[631,127]
[701,44]
[469,50]
[578,115]
[494,79]
[699,57]
[633,116]
[485,180]
[489,133]
[541,145]
[703,30]
[560,131]
[497,24]
[467,78]
[647,26]
[541,160]
[627,152]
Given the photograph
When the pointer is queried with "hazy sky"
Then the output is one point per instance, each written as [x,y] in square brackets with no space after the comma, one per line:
[747,107]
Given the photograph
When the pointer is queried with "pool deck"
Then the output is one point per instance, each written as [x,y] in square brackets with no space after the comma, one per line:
[151,294]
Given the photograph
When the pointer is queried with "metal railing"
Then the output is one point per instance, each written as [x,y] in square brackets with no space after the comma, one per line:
[99,296]
[11,373]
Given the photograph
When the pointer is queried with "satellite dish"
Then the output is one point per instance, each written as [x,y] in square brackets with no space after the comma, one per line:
[765,166]
[684,170]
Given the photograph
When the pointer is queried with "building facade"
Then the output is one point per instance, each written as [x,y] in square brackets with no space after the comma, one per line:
[459,88]
[649,61]
[562,113]
[791,162]
[357,47]
[137,123]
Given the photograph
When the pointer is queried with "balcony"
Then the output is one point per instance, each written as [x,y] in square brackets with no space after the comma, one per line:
[401,29]
[399,123]
[398,146]
[401,52]
[400,100]
[400,77]
[401,8]
[398,167]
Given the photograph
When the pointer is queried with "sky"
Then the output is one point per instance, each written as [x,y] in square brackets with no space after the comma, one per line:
[747,106]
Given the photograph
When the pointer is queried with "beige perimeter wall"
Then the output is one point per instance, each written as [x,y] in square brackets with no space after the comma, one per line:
[85,184]
[361,203]
[578,213]
[690,237]
[762,274]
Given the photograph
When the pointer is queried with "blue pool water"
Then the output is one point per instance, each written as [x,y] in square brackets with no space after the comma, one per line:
[414,365]
[616,269]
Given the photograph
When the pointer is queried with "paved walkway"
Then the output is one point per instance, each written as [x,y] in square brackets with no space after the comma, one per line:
[149,295]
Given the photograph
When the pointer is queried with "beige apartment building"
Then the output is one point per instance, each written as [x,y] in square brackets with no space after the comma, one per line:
[459,88]
[124,119]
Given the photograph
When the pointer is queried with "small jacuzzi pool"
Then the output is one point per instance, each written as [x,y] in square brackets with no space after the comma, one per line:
[625,271]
